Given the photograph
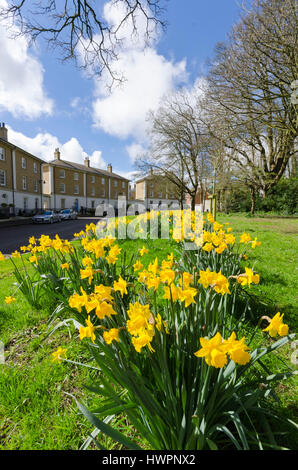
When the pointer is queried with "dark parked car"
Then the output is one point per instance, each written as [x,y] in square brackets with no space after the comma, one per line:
[48,217]
[68,214]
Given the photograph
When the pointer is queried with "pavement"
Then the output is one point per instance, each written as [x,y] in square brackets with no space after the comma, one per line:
[14,236]
[15,221]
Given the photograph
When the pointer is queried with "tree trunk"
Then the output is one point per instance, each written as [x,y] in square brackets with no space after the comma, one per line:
[219,200]
[253,200]
[193,202]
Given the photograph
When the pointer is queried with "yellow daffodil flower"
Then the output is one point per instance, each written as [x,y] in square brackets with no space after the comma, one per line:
[213,352]
[237,350]
[59,355]
[276,326]
[255,243]
[121,286]
[137,266]
[87,331]
[111,335]
[248,278]
[245,238]
[64,266]
[208,247]
[143,251]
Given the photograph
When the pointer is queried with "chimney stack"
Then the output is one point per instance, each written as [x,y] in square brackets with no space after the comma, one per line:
[109,168]
[151,170]
[57,154]
[87,161]
[3,131]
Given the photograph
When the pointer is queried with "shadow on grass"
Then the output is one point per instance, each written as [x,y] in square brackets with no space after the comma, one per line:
[259,304]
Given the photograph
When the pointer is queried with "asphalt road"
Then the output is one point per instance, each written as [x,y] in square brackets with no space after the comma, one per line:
[12,238]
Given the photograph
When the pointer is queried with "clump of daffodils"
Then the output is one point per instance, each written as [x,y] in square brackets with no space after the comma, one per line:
[217,281]
[217,350]
[100,300]
[248,278]
[140,325]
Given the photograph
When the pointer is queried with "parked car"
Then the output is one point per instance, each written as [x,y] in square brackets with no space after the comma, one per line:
[46,217]
[68,214]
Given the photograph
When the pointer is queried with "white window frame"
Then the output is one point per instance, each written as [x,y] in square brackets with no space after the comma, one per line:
[2,178]
[25,203]
[103,193]
[35,186]
[62,173]
[103,181]
[151,194]
[24,163]
[25,183]
[62,188]
[76,176]
[76,189]
[123,184]
[2,154]
[35,167]
[92,191]
[116,183]
[92,179]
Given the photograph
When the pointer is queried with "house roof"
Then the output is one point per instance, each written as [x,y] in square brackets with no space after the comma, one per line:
[13,146]
[87,169]
[65,163]
[149,176]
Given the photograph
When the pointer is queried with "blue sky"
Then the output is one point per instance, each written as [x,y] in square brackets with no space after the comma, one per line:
[46,103]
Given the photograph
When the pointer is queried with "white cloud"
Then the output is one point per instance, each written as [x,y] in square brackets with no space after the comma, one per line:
[130,175]
[122,111]
[149,76]
[75,102]
[135,151]
[21,76]
[97,160]
[43,145]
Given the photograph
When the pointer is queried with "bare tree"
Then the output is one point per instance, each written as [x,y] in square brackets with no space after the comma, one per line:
[178,148]
[82,32]
[250,103]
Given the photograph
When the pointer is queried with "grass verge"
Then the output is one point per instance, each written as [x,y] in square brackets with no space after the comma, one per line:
[36,411]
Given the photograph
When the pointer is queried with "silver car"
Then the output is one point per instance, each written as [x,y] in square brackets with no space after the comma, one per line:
[68,214]
[46,217]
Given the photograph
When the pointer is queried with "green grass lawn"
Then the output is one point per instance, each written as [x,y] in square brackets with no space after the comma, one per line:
[35,410]
[276,260]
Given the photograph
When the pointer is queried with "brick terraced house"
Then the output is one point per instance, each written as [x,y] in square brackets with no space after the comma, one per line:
[155,189]
[72,185]
[20,177]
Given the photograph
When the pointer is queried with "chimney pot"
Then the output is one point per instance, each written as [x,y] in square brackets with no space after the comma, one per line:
[3,132]
[109,168]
